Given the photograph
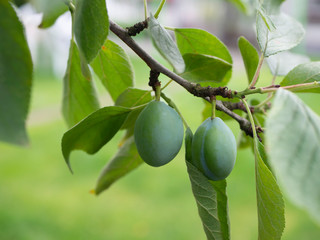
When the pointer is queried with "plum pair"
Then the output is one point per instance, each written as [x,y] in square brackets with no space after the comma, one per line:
[159,134]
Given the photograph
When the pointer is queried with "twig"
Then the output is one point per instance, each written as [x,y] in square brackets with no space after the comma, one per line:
[245,125]
[145,9]
[257,73]
[237,105]
[159,8]
[274,88]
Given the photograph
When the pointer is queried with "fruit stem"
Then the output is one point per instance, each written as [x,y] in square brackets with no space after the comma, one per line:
[214,103]
[158,91]
[174,106]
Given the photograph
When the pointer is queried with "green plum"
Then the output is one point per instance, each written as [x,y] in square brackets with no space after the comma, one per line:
[158,133]
[214,149]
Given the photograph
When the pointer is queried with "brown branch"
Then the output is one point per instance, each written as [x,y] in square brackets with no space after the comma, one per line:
[193,88]
[245,125]
[237,105]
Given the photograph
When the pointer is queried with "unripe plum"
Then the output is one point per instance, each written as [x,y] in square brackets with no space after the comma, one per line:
[158,133]
[214,149]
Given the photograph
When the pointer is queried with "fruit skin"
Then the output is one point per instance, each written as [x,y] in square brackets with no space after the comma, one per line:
[214,149]
[158,133]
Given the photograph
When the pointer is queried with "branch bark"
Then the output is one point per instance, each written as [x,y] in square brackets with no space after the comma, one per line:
[193,88]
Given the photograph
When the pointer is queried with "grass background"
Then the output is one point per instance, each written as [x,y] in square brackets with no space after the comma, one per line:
[40,199]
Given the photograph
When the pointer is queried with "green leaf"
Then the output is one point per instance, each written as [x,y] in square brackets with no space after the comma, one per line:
[91,26]
[126,160]
[212,204]
[282,63]
[271,220]
[93,132]
[250,57]
[293,140]
[272,6]
[264,156]
[211,198]
[51,11]
[203,68]
[79,95]
[133,97]
[113,67]
[287,34]
[266,18]
[15,77]
[165,45]
[304,73]
[199,41]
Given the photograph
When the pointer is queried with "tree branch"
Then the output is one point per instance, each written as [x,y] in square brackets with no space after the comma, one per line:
[236,105]
[193,88]
[245,125]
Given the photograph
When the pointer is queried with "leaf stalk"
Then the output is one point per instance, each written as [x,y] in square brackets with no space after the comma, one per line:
[257,73]
[156,15]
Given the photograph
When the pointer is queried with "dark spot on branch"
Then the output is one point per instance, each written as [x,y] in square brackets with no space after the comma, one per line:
[154,79]
[272,86]
[204,92]
[137,28]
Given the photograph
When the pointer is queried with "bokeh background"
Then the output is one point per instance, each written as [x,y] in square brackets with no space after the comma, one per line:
[41,199]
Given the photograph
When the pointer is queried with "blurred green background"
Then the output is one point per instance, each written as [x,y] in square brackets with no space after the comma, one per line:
[41,199]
